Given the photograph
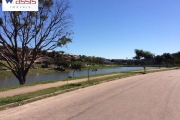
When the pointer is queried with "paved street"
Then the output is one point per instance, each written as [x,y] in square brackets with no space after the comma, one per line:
[153,96]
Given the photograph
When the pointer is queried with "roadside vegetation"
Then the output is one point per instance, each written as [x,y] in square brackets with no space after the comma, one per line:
[33,96]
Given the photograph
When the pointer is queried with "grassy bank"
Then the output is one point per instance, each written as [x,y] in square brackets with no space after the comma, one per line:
[33,96]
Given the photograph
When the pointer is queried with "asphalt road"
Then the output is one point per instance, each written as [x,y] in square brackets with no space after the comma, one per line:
[154,96]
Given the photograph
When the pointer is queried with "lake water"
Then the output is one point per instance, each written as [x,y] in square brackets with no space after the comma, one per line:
[12,81]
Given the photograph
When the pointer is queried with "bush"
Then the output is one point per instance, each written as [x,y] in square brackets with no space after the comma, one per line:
[44,66]
[65,64]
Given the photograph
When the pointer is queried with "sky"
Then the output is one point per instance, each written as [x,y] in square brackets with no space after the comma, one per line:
[113,29]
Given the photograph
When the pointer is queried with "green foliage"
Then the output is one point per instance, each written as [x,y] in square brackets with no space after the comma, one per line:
[77,65]
[159,59]
[176,57]
[168,58]
[140,54]
[64,63]
[63,41]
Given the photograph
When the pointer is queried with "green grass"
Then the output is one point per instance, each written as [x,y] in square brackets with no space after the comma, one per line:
[19,98]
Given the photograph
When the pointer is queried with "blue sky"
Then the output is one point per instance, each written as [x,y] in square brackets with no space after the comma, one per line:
[114,28]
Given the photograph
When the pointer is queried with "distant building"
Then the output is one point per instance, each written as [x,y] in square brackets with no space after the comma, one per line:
[107,61]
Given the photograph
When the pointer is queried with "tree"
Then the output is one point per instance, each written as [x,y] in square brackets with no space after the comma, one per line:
[176,56]
[89,59]
[24,34]
[159,59]
[76,66]
[46,64]
[145,55]
[168,58]
[63,63]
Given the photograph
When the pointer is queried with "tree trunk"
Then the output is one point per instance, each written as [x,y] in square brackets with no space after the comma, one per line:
[144,68]
[21,78]
[22,81]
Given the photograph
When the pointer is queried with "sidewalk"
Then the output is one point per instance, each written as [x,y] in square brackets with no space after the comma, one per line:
[28,89]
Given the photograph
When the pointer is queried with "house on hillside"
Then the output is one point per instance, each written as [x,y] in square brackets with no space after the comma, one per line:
[43,59]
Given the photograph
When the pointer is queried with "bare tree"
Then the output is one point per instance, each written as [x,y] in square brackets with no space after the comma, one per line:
[24,34]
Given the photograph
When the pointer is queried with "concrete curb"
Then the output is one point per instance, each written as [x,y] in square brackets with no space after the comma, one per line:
[3,107]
